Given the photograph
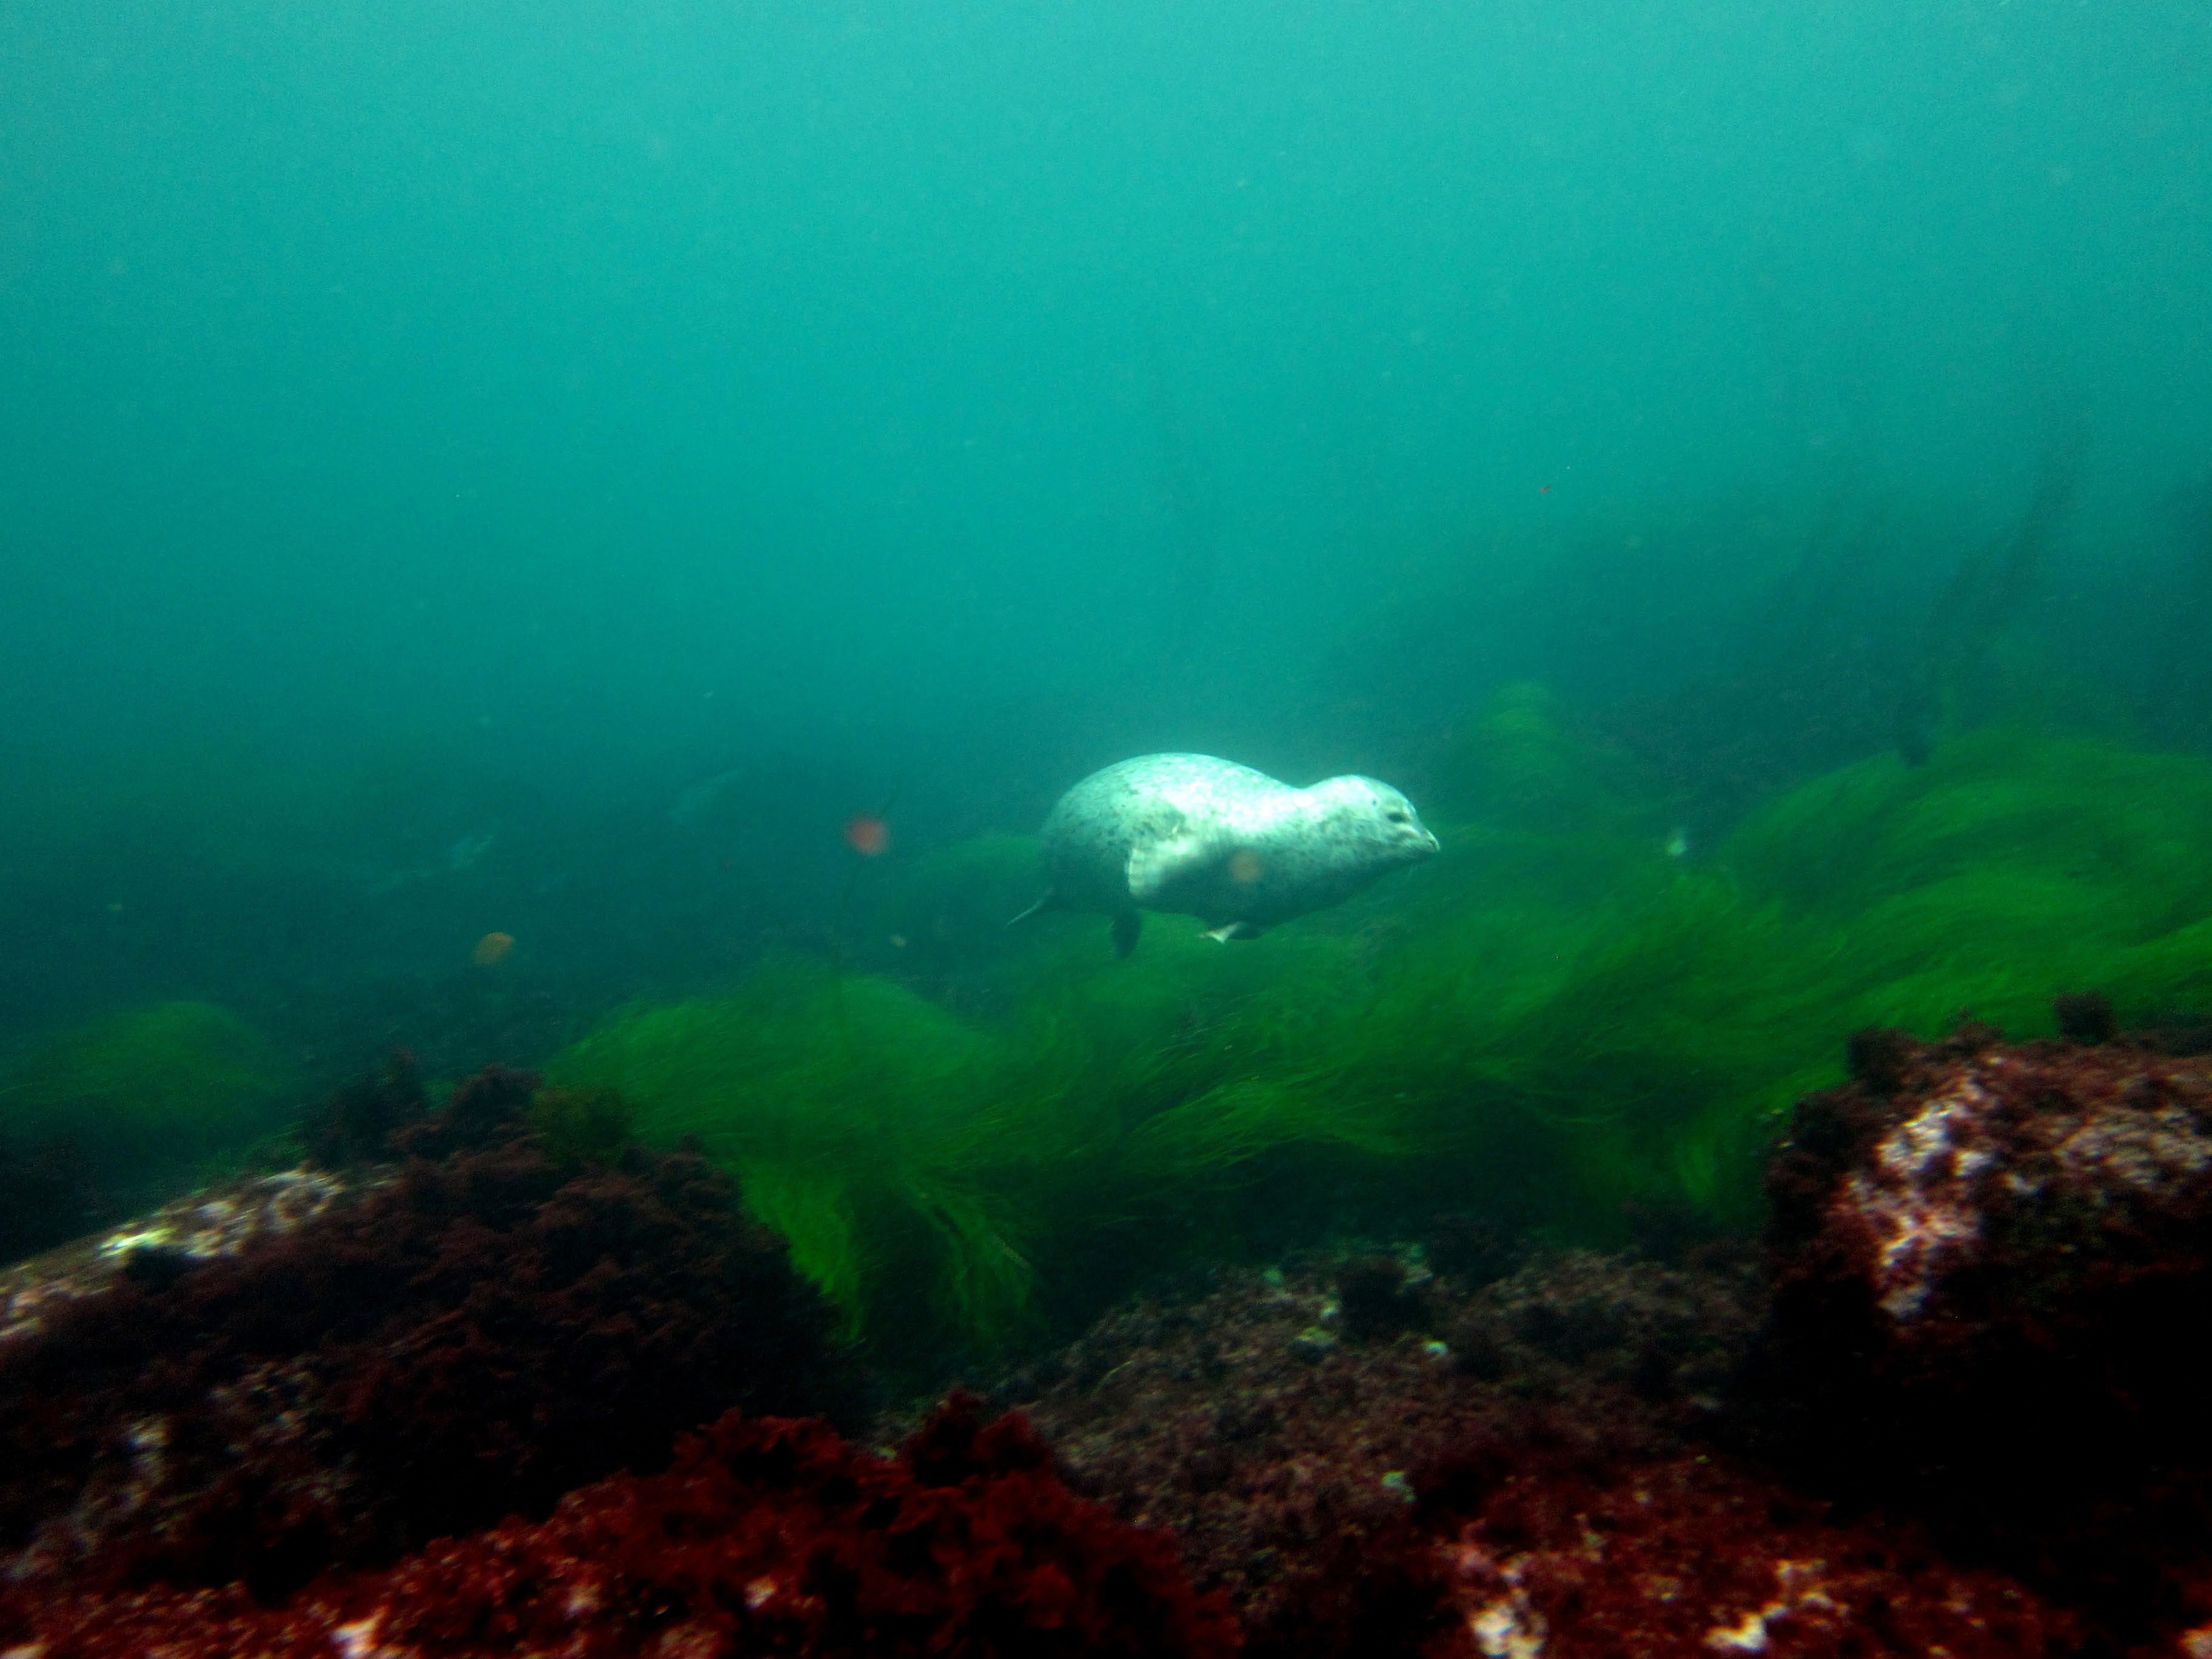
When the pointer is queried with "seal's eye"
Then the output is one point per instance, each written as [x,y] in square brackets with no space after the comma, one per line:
[1396,816]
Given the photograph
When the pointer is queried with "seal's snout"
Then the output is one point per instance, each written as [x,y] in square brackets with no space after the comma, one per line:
[1403,833]
[1417,841]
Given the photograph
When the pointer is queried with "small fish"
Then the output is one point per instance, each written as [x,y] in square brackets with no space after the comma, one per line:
[491,950]
[701,800]
[464,853]
[867,834]
[463,856]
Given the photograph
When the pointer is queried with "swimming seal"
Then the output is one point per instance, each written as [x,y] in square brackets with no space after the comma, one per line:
[1208,838]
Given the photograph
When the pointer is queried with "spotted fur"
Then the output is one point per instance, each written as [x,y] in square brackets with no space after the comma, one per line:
[1194,835]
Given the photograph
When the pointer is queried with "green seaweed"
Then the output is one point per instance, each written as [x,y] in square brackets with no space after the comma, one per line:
[151,1096]
[949,907]
[839,1102]
[1561,1014]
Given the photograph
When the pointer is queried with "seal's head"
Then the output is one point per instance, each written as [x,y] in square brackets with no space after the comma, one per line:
[1376,826]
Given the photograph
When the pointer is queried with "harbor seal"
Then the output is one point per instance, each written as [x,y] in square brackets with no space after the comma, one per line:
[1197,836]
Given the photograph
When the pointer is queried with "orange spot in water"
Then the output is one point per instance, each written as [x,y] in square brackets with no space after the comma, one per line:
[492,948]
[867,835]
[1244,867]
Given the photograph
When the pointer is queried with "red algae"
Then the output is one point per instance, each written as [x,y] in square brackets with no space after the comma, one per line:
[470,1335]
[767,1536]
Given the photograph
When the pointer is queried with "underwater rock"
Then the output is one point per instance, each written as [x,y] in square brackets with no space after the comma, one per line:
[454,1341]
[358,1122]
[1580,1319]
[2085,1018]
[218,1221]
[1991,1275]
[1569,1547]
[1473,1250]
[1381,1498]
[1377,1297]
[766,1536]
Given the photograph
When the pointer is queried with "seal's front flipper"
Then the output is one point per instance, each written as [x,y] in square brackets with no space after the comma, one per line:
[1157,865]
[1050,902]
[1228,931]
[1126,926]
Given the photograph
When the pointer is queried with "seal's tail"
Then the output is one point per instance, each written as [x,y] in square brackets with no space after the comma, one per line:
[1050,902]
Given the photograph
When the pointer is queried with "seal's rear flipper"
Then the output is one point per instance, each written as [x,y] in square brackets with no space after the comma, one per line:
[1233,930]
[1050,902]
[1126,926]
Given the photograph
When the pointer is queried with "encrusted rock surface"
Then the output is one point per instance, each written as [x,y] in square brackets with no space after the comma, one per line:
[1992,1264]
[204,1226]
[1987,1177]
[270,1381]
[1520,1474]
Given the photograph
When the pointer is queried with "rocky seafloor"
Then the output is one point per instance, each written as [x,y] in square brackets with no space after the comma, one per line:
[455,1394]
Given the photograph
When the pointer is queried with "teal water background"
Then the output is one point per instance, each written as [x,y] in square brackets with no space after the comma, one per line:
[435,428]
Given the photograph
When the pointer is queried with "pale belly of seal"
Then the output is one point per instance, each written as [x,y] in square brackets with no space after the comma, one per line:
[1195,836]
